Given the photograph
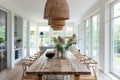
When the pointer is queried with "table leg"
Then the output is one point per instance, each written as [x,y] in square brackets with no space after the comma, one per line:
[40,77]
[77,77]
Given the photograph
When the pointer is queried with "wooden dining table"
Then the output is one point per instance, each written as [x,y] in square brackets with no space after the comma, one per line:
[57,66]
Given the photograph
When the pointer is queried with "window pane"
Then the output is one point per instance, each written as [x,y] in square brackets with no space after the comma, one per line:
[44,40]
[69,31]
[95,37]
[3,39]
[57,33]
[116,45]
[44,29]
[32,39]
[116,10]
[25,38]
[87,38]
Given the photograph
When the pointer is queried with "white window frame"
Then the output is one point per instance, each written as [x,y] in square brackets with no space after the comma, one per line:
[85,37]
[98,25]
[111,38]
[90,24]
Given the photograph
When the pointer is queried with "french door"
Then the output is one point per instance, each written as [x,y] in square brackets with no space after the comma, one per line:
[3,40]
[115,38]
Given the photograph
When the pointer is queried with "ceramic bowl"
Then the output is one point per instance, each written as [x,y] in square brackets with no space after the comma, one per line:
[50,55]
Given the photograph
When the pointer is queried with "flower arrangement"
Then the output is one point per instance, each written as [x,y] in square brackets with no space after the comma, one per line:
[63,45]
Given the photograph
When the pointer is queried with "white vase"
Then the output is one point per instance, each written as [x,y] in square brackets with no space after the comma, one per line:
[58,54]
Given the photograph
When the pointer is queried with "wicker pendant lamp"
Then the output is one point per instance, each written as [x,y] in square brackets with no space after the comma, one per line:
[54,26]
[47,8]
[56,10]
[56,22]
[57,28]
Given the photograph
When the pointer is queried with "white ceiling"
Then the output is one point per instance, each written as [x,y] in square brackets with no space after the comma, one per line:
[34,9]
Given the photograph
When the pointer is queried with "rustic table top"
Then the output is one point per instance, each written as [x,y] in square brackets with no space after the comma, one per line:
[55,66]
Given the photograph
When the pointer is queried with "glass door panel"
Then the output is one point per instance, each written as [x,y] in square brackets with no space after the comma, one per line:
[44,36]
[87,38]
[116,46]
[3,39]
[95,37]
[25,38]
[115,38]
[32,39]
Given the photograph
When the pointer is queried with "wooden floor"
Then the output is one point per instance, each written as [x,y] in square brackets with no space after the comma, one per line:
[16,74]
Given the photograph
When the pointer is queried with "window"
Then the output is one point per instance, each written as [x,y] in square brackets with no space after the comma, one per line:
[68,32]
[24,38]
[32,39]
[57,33]
[45,38]
[95,36]
[115,38]
[3,40]
[92,36]
[87,37]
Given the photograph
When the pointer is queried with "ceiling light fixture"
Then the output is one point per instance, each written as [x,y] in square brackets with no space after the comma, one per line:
[56,28]
[56,22]
[56,10]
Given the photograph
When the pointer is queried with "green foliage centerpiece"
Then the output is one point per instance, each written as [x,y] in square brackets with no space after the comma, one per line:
[63,45]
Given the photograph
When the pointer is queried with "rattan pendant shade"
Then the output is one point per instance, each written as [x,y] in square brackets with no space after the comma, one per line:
[56,28]
[47,8]
[56,22]
[56,10]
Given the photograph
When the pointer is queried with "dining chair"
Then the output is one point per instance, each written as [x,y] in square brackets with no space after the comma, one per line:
[92,66]
[90,62]
[92,76]
[26,65]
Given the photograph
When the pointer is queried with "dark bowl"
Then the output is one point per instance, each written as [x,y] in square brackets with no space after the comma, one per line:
[50,55]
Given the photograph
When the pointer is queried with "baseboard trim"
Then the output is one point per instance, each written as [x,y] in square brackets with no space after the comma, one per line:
[111,76]
[101,69]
